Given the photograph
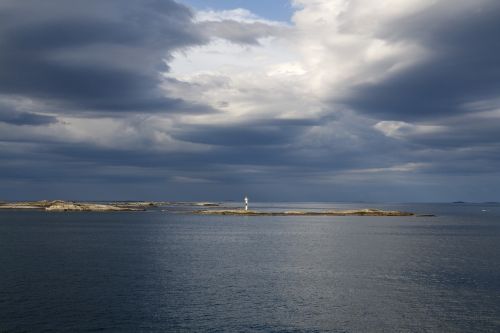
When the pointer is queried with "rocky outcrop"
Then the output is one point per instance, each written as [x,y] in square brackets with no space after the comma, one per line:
[353,212]
[18,206]
[67,206]
[61,205]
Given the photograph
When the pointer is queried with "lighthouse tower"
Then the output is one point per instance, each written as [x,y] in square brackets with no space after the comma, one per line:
[246,202]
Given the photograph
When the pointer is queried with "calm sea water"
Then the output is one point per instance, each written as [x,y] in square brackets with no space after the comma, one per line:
[163,271]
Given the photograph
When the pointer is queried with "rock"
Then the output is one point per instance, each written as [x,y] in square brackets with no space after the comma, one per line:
[70,206]
[353,212]
[207,204]
[59,205]
[18,206]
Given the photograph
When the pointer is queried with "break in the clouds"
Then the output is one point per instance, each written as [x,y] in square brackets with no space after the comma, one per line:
[346,100]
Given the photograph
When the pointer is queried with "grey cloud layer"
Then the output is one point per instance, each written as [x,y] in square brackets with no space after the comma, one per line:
[97,55]
[463,65]
[10,115]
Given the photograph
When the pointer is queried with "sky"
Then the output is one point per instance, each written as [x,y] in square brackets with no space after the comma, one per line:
[277,10]
[301,100]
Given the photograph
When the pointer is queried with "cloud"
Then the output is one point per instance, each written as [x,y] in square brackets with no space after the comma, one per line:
[351,100]
[97,56]
[10,114]
[239,26]
[459,63]
[26,118]
[457,132]
[252,133]
[241,33]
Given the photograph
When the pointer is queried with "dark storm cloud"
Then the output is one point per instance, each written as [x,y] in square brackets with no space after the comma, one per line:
[96,55]
[26,118]
[9,115]
[463,66]
[461,132]
[233,136]
[252,133]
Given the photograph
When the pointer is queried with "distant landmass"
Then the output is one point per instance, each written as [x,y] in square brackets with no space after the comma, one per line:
[212,208]
[477,203]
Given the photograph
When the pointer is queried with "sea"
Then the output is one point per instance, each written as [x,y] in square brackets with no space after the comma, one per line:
[167,270]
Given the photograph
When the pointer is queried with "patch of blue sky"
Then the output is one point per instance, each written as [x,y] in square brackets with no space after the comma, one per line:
[276,10]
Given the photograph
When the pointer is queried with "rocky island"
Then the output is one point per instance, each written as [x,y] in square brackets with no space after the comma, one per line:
[116,206]
[350,212]
[67,206]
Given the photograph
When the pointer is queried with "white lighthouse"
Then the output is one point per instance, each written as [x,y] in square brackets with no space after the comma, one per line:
[246,202]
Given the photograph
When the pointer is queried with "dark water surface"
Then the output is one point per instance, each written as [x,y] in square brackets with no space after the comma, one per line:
[169,272]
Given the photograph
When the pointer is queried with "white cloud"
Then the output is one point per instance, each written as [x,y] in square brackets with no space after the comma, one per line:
[400,168]
[331,46]
[239,15]
[340,47]
[401,129]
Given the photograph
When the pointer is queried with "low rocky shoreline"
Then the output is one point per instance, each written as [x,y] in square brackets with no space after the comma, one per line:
[118,206]
[353,212]
[73,206]
[66,206]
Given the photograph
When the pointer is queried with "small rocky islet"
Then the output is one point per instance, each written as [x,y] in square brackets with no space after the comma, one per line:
[349,212]
[64,206]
